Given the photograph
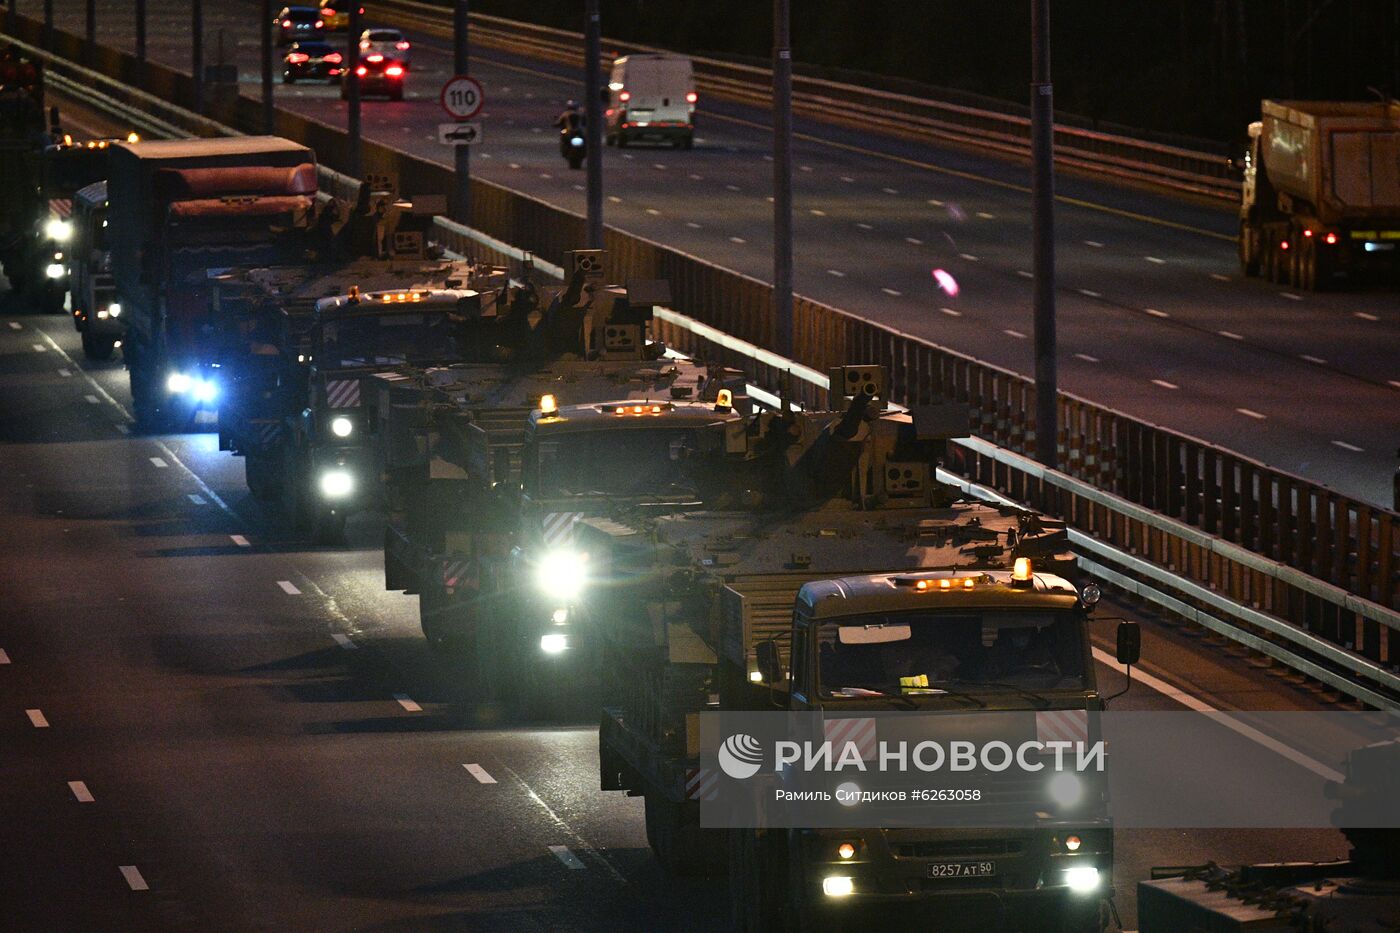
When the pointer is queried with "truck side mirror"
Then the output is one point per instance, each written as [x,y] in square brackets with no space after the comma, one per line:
[1129,643]
[768,664]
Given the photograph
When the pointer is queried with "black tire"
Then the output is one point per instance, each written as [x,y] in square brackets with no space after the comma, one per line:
[288,78]
[98,348]
[264,477]
[688,142]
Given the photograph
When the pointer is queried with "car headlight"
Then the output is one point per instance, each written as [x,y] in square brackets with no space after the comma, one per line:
[553,643]
[1082,879]
[58,230]
[1066,789]
[337,484]
[55,270]
[178,383]
[342,426]
[114,309]
[562,573]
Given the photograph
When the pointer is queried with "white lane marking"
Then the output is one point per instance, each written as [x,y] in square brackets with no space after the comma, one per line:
[1222,718]
[737,239]
[733,187]
[16,325]
[133,878]
[934,202]
[1308,358]
[1155,261]
[968,256]
[1165,384]
[1250,414]
[889,190]
[692,225]
[893,293]
[694,177]
[569,859]
[1395,383]
[36,717]
[1155,313]
[197,499]
[951,312]
[816,213]
[836,272]
[1351,447]
[158,463]
[1219,277]
[1094,243]
[1090,293]
[614,199]
[478,772]
[39,347]
[1025,274]
[344,641]
[767,158]
[658,165]
[1014,333]
[546,176]
[1366,317]
[65,373]
[985,216]
[1086,357]
[865,226]
[239,540]
[289,588]
[912,241]
[4,658]
[1230,334]
[559,822]
[122,428]
[653,212]
[92,400]
[805,168]
[1290,296]
[515,165]
[80,790]
[579,188]
[407,704]
[846,178]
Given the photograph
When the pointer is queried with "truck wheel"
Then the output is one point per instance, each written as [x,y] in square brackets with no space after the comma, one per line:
[98,348]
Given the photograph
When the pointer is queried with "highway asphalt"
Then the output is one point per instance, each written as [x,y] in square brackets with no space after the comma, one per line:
[1154,317]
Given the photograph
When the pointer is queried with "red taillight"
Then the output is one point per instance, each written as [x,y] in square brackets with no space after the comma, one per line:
[296,58]
[286,24]
[1307,233]
[1331,239]
[1283,245]
[320,25]
[401,45]
[692,97]
[625,96]
[327,11]
[361,71]
[394,71]
[374,58]
[332,58]
[364,44]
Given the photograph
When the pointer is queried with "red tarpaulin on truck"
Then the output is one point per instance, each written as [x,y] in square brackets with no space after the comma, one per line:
[233,207]
[189,184]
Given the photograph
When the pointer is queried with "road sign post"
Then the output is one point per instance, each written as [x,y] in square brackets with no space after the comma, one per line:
[593,120]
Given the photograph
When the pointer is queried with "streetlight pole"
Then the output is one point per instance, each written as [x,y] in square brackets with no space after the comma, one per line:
[1043,235]
[48,25]
[461,155]
[593,119]
[782,175]
[141,43]
[265,34]
[197,52]
[90,46]
[352,95]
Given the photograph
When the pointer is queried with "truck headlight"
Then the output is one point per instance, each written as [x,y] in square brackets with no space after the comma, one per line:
[337,484]
[58,230]
[562,573]
[1082,879]
[204,390]
[178,383]
[55,270]
[1066,789]
[114,309]
[838,885]
[342,426]
[553,643]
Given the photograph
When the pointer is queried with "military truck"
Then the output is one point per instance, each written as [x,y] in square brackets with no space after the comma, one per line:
[92,291]
[180,209]
[726,609]
[301,340]
[1321,194]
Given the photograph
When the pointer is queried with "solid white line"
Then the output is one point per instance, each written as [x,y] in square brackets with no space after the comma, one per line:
[1366,317]
[836,272]
[16,325]
[478,772]
[4,658]
[951,312]
[1219,277]
[913,242]
[1155,313]
[37,718]
[39,347]
[1165,384]
[408,704]
[344,641]
[1351,447]
[1224,719]
[197,499]
[1230,334]
[239,540]
[159,463]
[80,790]
[92,400]
[1291,297]
[1251,414]
[737,239]
[133,878]
[1014,333]
[1087,293]
[1086,357]
[1313,359]
[289,588]
[968,256]
[65,373]
[1155,261]
[569,859]
[1094,243]
[893,293]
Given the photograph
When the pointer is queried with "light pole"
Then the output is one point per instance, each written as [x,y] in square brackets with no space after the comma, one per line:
[90,32]
[1043,234]
[461,159]
[141,43]
[352,93]
[593,119]
[197,52]
[782,175]
[265,34]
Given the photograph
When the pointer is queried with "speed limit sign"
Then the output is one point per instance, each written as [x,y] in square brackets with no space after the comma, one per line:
[462,97]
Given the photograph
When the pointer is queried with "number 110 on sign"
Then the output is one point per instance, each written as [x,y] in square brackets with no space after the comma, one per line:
[461,97]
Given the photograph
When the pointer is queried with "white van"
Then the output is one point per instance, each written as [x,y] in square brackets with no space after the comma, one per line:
[652,96]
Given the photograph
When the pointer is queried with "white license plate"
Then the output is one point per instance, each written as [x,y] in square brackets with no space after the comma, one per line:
[962,869]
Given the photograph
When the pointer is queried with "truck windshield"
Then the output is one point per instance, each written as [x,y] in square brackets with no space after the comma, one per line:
[923,652]
[634,462]
[66,170]
[388,339]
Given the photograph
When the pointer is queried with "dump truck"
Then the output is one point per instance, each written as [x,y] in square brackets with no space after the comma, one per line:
[180,209]
[301,340]
[452,440]
[92,291]
[835,519]
[1321,194]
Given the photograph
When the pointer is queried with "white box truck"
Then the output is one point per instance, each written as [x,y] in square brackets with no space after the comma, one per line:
[652,97]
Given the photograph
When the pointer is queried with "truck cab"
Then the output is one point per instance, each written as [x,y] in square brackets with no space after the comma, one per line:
[92,292]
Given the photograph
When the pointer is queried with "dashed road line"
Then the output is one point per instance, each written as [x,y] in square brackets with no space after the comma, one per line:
[659,166]
[197,499]
[1165,384]
[16,325]
[546,176]
[1230,334]
[1395,383]
[239,540]
[1086,357]
[1094,243]
[804,168]
[986,216]
[1309,358]
[653,212]
[614,199]
[836,272]
[1365,316]
[289,587]
[65,373]
[913,241]
[1155,260]
[864,226]
[1090,293]
[692,225]
[558,821]
[892,292]
[737,239]
[1155,313]
[159,464]
[816,213]
[969,257]
[1025,274]
[951,312]
[344,641]
[694,177]
[1014,333]
[478,772]
[1351,447]
[407,703]
[934,202]
[36,718]
[1248,413]
[734,188]
[846,178]
[39,347]
[92,400]
[133,878]
[1220,277]
[890,190]
[80,791]
[1291,296]
[569,859]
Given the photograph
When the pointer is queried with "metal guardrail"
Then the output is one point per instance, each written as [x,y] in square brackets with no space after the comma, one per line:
[853,106]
